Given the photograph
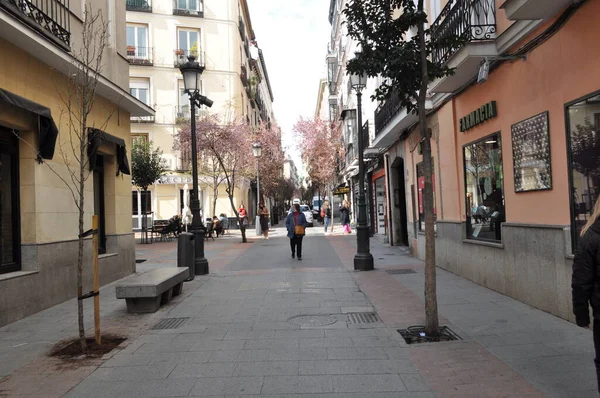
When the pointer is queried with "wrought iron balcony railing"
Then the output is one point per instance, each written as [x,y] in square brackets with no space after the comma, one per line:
[386,111]
[181,57]
[191,8]
[139,5]
[142,119]
[183,113]
[244,75]
[466,20]
[242,28]
[139,55]
[49,17]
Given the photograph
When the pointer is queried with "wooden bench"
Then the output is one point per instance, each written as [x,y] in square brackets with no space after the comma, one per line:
[145,292]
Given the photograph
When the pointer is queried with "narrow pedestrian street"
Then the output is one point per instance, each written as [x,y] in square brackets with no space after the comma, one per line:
[264,324]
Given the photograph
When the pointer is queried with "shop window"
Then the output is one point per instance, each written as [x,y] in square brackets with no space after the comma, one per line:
[421,192]
[583,137]
[484,189]
[9,202]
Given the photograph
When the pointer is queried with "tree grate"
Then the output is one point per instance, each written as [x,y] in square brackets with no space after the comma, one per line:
[401,271]
[363,317]
[170,323]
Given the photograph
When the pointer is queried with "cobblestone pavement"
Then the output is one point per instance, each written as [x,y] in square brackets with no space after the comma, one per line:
[264,324]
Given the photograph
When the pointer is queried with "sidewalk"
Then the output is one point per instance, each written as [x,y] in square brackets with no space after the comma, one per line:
[253,329]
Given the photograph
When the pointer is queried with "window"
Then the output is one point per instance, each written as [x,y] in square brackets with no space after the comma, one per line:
[138,139]
[188,41]
[137,41]
[583,137]
[99,202]
[333,112]
[435,9]
[190,5]
[140,89]
[9,202]
[142,202]
[484,188]
[421,191]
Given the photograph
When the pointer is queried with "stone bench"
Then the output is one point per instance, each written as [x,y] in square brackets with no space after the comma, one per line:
[145,292]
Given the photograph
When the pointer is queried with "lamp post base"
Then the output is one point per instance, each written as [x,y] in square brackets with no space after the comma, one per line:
[201,266]
[258,228]
[363,259]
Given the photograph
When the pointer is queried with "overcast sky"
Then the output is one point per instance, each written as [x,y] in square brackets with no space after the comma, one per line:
[293,36]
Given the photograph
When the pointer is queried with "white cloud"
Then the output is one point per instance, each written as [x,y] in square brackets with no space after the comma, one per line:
[293,35]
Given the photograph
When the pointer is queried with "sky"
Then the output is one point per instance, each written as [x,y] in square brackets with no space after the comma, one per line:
[293,36]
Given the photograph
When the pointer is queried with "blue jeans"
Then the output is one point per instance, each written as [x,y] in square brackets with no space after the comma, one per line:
[326,221]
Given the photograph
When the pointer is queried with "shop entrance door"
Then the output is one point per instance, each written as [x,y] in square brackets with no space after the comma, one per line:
[399,203]
[380,205]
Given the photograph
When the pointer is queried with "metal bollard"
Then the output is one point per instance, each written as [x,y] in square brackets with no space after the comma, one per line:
[185,253]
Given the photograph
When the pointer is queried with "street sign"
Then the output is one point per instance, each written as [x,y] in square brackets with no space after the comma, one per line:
[341,191]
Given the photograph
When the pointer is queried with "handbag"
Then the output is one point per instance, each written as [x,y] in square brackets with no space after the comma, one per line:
[298,229]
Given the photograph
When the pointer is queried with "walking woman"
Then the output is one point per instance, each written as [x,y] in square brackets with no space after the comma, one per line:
[345,216]
[586,280]
[326,215]
[263,212]
[296,224]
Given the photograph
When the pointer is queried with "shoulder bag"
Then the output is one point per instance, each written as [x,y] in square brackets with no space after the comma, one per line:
[298,229]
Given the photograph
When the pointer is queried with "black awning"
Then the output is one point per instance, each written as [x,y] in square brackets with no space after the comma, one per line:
[96,137]
[47,130]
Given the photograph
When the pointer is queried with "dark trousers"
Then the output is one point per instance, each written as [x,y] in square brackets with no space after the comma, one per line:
[597,347]
[296,245]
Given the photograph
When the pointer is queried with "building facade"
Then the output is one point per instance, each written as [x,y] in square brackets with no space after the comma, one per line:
[161,34]
[514,145]
[40,47]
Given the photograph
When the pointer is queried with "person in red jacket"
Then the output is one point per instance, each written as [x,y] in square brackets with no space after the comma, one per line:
[586,280]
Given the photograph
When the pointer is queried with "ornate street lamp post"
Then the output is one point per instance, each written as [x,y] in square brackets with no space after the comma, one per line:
[363,260]
[191,72]
[257,151]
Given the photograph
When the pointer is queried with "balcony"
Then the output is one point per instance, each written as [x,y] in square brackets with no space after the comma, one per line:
[142,119]
[50,17]
[138,5]
[182,114]
[391,119]
[244,75]
[351,157]
[185,8]
[473,22]
[180,57]
[533,9]
[242,29]
[139,55]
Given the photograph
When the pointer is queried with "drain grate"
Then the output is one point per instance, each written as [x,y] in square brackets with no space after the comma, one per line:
[363,317]
[140,260]
[170,323]
[401,271]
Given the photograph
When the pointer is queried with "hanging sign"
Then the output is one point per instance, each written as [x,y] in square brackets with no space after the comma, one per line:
[341,191]
[478,116]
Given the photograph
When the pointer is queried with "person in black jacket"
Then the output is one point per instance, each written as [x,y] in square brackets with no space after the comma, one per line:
[586,280]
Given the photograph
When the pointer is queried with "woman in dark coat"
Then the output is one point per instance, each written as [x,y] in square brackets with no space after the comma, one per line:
[586,280]
[263,212]
[293,219]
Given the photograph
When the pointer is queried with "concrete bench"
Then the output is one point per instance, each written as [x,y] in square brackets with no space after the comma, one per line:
[145,292]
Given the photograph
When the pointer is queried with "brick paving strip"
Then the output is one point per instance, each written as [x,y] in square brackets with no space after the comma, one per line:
[461,369]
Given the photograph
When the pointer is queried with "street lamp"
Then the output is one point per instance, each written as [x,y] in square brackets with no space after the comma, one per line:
[363,260]
[191,71]
[257,151]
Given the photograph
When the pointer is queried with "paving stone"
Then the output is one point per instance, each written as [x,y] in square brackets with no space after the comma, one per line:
[133,388]
[270,368]
[130,360]
[227,386]
[356,353]
[148,372]
[348,367]
[213,369]
[181,357]
[327,342]
[272,344]
[297,384]
[367,383]
[414,382]
[286,334]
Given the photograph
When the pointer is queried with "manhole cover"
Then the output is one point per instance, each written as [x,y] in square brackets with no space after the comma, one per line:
[140,260]
[401,271]
[363,317]
[312,320]
[170,323]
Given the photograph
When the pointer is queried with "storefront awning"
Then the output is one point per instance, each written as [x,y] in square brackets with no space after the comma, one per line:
[47,130]
[96,138]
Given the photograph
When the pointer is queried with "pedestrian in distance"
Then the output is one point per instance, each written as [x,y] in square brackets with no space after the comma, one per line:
[326,214]
[263,212]
[295,224]
[586,280]
[243,216]
[345,216]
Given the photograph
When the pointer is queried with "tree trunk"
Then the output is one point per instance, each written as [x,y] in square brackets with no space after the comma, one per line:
[81,242]
[431,308]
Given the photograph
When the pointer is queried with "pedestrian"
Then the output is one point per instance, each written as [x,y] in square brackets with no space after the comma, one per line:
[326,215]
[345,216]
[295,224]
[243,216]
[263,212]
[586,280]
